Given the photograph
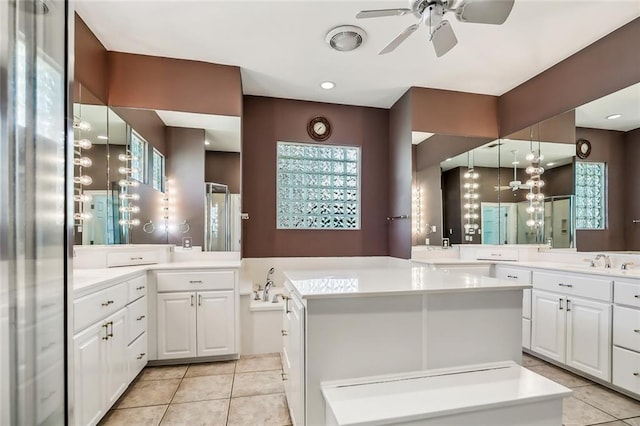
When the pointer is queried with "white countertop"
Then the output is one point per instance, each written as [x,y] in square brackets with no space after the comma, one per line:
[398,281]
[86,281]
[430,394]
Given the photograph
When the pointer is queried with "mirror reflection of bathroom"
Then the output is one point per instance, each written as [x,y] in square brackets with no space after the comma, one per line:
[222,218]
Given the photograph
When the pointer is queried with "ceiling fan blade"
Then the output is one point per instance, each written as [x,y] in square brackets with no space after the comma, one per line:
[399,39]
[493,12]
[443,38]
[379,13]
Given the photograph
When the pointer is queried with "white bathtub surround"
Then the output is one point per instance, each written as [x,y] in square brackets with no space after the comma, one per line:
[498,394]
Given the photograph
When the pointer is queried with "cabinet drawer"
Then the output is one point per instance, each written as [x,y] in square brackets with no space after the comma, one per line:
[137,356]
[131,258]
[96,306]
[626,328]
[195,281]
[513,274]
[626,293]
[574,285]
[626,369]
[137,318]
[497,254]
[137,288]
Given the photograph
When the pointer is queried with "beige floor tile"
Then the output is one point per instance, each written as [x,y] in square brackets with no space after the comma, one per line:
[608,401]
[142,416]
[530,361]
[161,373]
[559,375]
[259,363]
[151,392]
[211,369]
[578,413]
[616,423]
[201,413]
[257,383]
[633,422]
[268,410]
[203,388]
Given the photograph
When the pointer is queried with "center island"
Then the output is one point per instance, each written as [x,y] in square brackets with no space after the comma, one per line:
[343,324]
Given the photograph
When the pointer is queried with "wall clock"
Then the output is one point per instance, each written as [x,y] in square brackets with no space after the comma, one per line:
[319,129]
[583,148]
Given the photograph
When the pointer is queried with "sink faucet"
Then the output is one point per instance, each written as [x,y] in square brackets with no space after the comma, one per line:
[624,266]
[267,286]
[607,261]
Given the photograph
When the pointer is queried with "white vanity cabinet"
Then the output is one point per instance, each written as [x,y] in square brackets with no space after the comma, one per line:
[293,356]
[626,335]
[104,346]
[523,276]
[196,314]
[571,321]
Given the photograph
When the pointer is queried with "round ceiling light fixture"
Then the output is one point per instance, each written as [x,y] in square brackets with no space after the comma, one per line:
[613,116]
[345,38]
[327,85]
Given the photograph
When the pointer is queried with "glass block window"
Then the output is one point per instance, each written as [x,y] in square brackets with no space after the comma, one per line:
[157,171]
[318,186]
[138,149]
[591,189]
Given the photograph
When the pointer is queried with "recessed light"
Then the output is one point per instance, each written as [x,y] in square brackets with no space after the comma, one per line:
[207,143]
[327,85]
[448,159]
[103,137]
[550,164]
[613,116]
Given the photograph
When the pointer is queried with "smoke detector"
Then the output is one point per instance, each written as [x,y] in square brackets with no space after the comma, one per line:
[345,38]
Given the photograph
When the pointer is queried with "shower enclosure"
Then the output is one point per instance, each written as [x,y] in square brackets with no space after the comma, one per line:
[222,218]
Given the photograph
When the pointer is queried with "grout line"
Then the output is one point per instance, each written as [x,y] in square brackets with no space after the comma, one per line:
[233,380]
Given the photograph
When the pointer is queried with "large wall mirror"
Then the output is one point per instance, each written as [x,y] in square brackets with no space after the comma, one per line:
[155,177]
[531,187]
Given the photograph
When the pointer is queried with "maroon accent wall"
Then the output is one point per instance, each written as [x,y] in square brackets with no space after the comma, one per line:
[610,64]
[631,205]
[223,167]
[560,129]
[607,146]
[268,120]
[558,180]
[454,113]
[185,167]
[147,123]
[429,181]
[141,81]
[91,65]
[400,177]
[438,148]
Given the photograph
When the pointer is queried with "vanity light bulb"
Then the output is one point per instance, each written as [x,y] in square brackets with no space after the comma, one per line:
[475,216]
[82,143]
[530,156]
[475,176]
[467,195]
[540,170]
[475,226]
[530,209]
[125,157]
[531,223]
[540,209]
[467,175]
[530,170]
[475,196]
[82,162]
[127,182]
[467,185]
[467,216]
[467,206]
[530,183]
[82,198]
[540,196]
[540,183]
[530,196]
[83,180]
[476,185]
[82,216]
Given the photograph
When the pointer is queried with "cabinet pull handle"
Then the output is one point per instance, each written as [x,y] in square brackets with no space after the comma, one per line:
[561,307]
[140,288]
[192,300]
[284,376]
[110,334]
[140,318]
[136,258]
[565,285]
[284,332]
[568,307]
[636,330]
[286,304]
[637,296]
[107,303]
[106,331]
[195,281]
[636,374]
[515,277]
[199,300]
[141,355]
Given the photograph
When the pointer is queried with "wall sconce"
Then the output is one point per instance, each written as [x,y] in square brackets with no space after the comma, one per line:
[80,180]
[417,209]
[471,200]
[535,184]
[127,208]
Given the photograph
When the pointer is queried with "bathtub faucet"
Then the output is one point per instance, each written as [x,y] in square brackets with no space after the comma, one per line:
[267,286]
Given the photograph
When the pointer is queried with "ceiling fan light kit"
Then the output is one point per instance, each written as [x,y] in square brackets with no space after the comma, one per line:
[345,38]
[431,12]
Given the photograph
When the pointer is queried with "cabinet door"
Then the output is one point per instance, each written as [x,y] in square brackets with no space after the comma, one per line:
[116,374]
[294,348]
[589,337]
[548,324]
[88,375]
[216,323]
[176,319]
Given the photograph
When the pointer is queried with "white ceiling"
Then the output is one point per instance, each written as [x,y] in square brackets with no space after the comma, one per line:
[625,102]
[419,137]
[221,131]
[280,45]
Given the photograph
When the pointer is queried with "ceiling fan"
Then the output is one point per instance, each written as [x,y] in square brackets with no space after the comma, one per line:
[515,184]
[431,12]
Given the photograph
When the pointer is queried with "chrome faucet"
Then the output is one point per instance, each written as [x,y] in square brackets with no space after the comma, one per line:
[624,266]
[267,286]
[607,261]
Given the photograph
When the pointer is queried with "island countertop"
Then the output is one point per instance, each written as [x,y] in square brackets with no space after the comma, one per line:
[314,284]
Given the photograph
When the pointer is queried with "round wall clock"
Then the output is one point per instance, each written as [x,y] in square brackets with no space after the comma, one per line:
[319,129]
[583,148]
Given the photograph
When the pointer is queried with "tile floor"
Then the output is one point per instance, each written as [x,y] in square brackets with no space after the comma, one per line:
[250,392]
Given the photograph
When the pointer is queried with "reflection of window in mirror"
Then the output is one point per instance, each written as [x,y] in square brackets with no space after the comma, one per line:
[591,189]
[157,170]
[138,148]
